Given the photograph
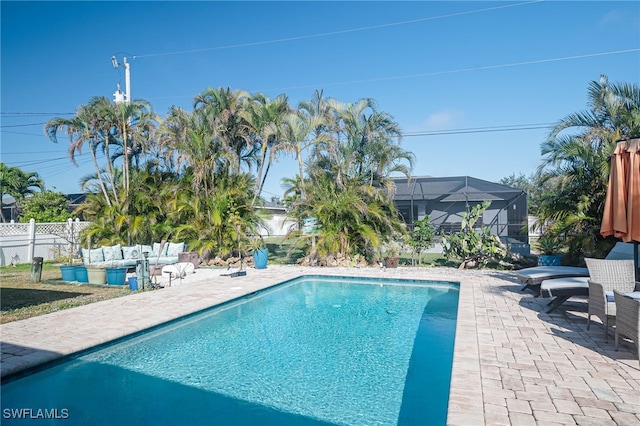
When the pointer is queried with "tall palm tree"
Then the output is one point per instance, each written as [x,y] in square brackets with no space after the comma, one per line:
[190,138]
[350,192]
[297,134]
[318,109]
[86,127]
[264,116]
[132,128]
[100,124]
[224,108]
[575,166]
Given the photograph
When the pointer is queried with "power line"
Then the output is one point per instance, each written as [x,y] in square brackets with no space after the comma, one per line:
[478,130]
[430,74]
[36,113]
[22,125]
[29,152]
[29,134]
[332,33]
[461,70]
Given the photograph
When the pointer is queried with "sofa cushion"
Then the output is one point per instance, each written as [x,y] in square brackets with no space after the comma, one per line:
[85,256]
[131,252]
[113,252]
[156,249]
[117,252]
[174,249]
[96,255]
[145,248]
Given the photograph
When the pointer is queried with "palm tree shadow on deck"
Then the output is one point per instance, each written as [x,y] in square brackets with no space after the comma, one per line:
[569,321]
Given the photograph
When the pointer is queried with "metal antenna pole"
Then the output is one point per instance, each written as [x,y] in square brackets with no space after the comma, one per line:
[127,81]
[118,96]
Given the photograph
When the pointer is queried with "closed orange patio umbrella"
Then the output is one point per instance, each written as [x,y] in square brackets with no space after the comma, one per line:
[621,216]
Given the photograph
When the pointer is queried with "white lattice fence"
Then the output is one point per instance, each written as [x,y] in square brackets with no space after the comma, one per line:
[21,242]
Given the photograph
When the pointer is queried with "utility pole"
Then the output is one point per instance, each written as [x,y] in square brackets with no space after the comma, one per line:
[118,96]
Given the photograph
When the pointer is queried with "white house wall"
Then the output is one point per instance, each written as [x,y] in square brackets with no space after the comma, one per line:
[277,225]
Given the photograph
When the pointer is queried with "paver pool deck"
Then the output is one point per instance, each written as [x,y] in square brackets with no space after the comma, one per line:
[514,364]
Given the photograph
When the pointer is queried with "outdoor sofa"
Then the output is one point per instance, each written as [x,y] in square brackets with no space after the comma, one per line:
[118,256]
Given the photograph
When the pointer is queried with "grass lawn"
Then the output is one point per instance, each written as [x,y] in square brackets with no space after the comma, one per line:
[279,251]
[20,298]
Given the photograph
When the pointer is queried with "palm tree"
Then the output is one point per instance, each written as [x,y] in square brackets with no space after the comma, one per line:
[350,220]
[264,117]
[350,192]
[191,141]
[17,183]
[132,128]
[224,108]
[216,224]
[100,124]
[86,127]
[319,110]
[141,216]
[575,166]
[295,133]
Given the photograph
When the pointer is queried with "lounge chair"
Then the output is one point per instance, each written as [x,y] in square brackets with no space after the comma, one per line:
[628,318]
[561,289]
[533,277]
[605,277]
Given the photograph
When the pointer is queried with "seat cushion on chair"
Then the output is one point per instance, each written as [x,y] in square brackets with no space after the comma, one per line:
[632,295]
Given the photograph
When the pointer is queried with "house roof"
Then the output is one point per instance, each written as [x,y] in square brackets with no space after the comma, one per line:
[450,189]
[76,199]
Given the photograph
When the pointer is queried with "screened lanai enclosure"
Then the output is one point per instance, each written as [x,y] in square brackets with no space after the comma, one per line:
[445,199]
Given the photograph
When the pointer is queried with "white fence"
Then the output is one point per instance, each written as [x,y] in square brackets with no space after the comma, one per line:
[21,242]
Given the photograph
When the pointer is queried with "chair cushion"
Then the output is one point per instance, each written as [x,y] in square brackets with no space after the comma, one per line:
[634,295]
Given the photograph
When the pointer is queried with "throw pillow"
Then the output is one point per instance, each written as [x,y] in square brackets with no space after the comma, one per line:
[156,249]
[174,249]
[117,252]
[131,252]
[107,252]
[96,255]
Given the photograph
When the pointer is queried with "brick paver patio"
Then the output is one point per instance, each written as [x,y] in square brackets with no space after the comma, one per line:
[513,364]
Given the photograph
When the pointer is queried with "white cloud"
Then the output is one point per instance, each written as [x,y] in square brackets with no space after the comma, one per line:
[614,17]
[442,120]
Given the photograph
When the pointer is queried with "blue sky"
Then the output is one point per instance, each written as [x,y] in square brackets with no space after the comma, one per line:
[456,67]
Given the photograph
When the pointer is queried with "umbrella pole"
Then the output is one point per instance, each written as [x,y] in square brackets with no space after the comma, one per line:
[635,259]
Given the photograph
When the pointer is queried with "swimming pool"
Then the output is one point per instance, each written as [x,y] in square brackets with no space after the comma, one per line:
[312,351]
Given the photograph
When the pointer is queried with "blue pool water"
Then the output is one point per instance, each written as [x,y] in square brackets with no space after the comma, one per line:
[312,351]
